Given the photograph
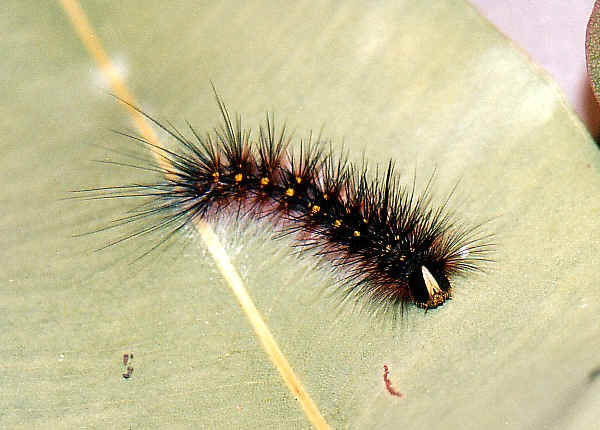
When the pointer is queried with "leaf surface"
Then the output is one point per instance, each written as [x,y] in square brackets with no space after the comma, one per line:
[432,85]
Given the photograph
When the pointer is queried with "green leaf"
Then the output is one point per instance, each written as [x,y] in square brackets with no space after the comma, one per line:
[430,84]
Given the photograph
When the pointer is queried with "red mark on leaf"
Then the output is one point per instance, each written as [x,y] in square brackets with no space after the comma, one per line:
[388,383]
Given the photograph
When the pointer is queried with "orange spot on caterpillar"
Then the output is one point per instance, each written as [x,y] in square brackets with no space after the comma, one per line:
[238,177]
[289,192]
[337,223]
[388,383]
[298,179]
[264,181]
[315,209]
[356,233]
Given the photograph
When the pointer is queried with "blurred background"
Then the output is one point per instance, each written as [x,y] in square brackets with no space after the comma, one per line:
[552,32]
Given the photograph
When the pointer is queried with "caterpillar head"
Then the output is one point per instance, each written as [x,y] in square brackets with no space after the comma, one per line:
[429,288]
[416,277]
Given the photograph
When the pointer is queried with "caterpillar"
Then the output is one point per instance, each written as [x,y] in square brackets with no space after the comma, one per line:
[388,243]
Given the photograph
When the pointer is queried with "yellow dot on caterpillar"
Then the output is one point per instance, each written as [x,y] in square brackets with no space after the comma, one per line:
[289,192]
[365,220]
[325,196]
[347,210]
[316,208]
[402,258]
[337,223]
[356,233]
[238,177]
[216,176]
[396,237]
[264,181]
[388,248]
[298,179]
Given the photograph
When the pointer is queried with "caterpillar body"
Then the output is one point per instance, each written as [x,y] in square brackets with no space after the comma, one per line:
[389,244]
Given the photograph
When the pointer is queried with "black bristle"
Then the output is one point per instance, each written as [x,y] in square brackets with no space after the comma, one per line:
[382,237]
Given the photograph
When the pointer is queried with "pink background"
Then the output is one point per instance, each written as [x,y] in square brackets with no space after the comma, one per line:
[553,33]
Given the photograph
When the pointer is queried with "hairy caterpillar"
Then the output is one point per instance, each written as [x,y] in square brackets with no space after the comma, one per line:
[388,243]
